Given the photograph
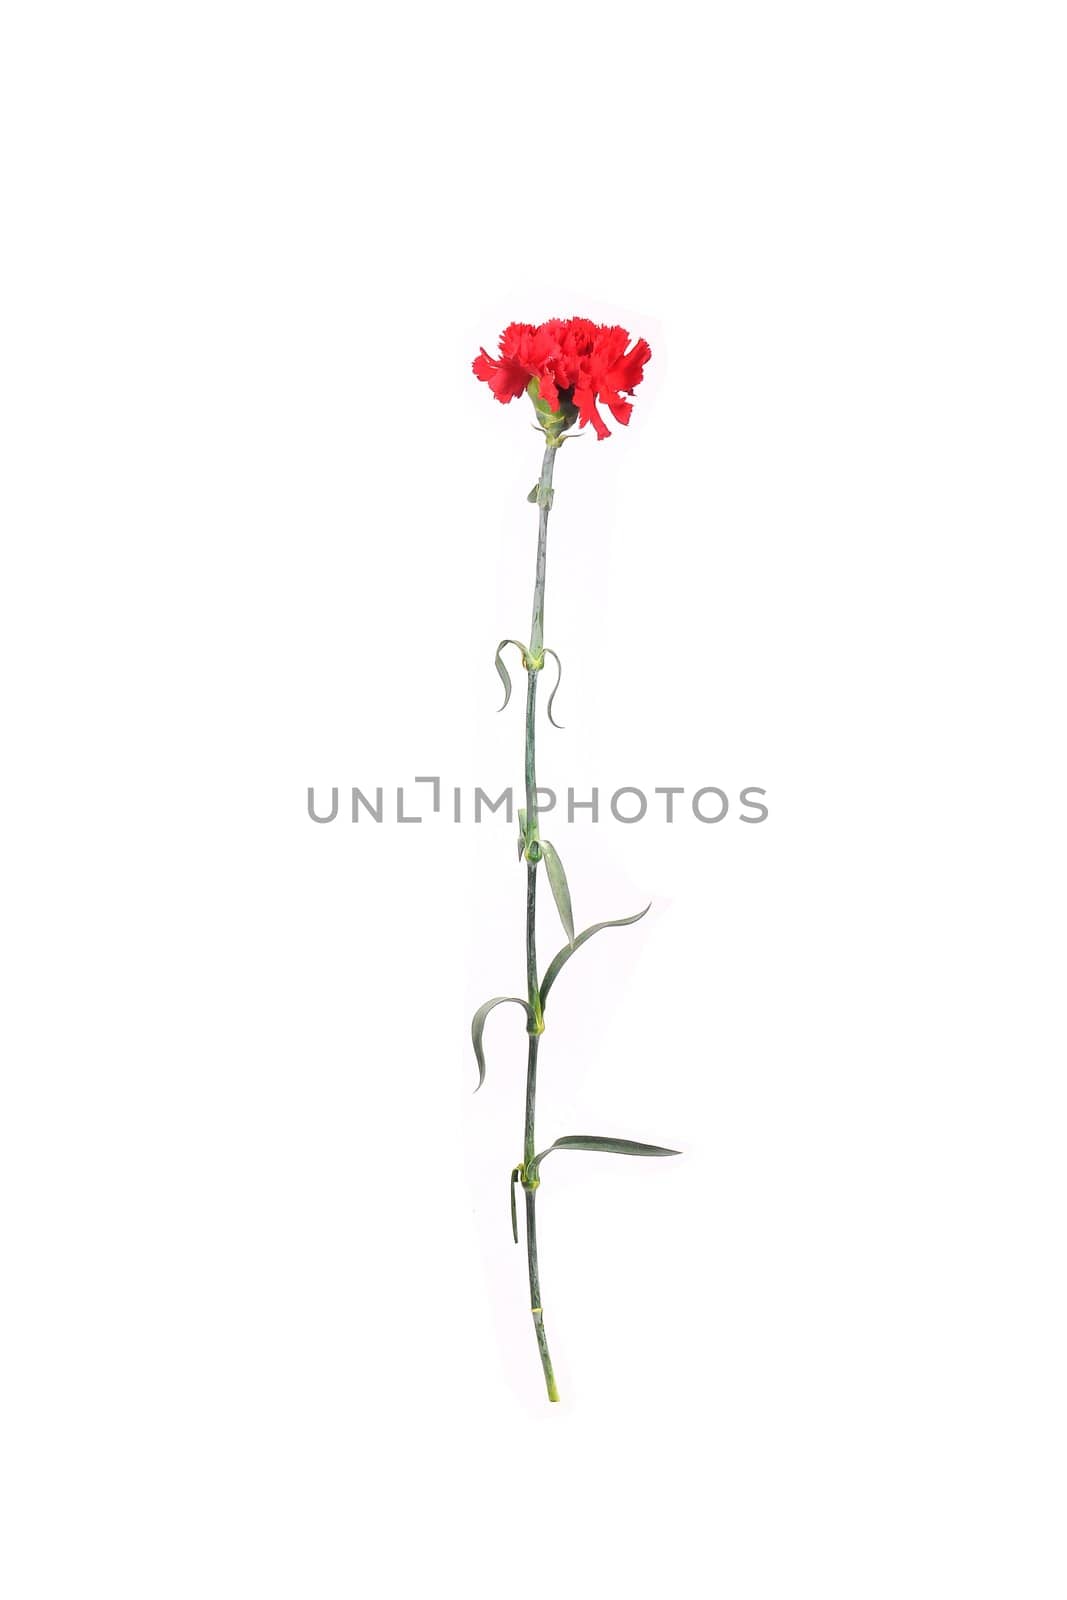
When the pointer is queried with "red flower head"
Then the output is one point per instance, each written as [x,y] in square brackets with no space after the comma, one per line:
[568,367]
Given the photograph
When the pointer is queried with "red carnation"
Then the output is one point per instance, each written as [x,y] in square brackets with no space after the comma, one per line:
[575,362]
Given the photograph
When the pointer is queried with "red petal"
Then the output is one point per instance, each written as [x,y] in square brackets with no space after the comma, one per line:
[585,400]
[506,378]
[515,339]
[619,408]
[628,370]
[549,391]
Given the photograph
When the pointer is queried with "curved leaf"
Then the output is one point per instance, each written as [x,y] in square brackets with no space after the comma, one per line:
[559,961]
[478,1027]
[502,669]
[552,696]
[593,1141]
[560,892]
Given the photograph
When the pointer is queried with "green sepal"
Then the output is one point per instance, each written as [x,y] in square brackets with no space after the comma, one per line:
[559,961]
[478,1027]
[592,1141]
[552,423]
[560,892]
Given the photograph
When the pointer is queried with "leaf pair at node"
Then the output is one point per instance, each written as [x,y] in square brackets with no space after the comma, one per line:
[593,1141]
[530,1176]
[530,664]
[555,967]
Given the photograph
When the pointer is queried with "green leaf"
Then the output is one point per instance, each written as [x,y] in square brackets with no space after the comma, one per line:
[592,1141]
[560,892]
[552,696]
[559,961]
[515,1176]
[532,496]
[502,669]
[478,1027]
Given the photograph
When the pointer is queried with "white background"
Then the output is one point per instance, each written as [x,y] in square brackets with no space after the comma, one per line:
[264,1330]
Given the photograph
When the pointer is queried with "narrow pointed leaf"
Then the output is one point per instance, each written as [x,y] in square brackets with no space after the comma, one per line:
[478,1027]
[505,677]
[514,1218]
[552,696]
[559,961]
[560,892]
[615,1147]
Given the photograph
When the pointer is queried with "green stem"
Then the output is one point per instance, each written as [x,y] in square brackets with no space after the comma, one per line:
[529,1146]
[544,499]
[535,1294]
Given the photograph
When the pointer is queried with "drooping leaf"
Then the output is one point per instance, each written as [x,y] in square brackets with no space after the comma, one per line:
[558,962]
[552,696]
[593,1141]
[505,677]
[560,892]
[516,1174]
[478,1027]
